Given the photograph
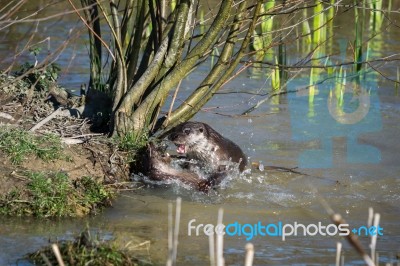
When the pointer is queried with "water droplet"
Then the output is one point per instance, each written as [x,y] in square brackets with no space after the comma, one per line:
[261,166]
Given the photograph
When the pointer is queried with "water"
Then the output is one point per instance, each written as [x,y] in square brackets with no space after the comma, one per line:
[279,133]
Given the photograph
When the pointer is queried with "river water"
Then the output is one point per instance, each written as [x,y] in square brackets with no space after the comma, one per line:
[352,166]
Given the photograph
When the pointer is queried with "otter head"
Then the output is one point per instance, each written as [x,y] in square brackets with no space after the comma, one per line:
[156,155]
[189,136]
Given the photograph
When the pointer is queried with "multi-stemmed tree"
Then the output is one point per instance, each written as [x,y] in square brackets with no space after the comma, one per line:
[154,47]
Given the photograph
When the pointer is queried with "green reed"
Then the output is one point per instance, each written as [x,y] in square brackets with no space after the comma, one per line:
[172,5]
[267,24]
[330,70]
[330,14]
[319,34]
[305,30]
[282,61]
[340,83]
[311,89]
[263,40]
[359,26]
[279,74]
[376,18]
[275,76]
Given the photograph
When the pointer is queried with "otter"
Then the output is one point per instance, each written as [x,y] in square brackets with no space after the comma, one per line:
[210,150]
[157,167]
[202,143]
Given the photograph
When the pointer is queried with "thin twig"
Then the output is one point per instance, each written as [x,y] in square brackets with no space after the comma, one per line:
[86,135]
[72,141]
[173,101]
[88,26]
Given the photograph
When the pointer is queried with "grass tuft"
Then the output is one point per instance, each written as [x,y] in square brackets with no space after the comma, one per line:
[54,195]
[19,144]
[131,143]
[86,250]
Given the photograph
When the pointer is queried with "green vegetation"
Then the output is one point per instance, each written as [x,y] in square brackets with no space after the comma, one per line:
[263,41]
[86,250]
[358,41]
[40,78]
[19,144]
[55,195]
[130,142]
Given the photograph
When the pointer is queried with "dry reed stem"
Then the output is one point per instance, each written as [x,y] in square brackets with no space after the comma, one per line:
[249,255]
[338,252]
[57,253]
[220,241]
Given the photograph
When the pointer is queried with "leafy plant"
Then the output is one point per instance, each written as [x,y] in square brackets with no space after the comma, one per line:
[41,78]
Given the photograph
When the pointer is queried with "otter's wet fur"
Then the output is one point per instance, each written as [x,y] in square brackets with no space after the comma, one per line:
[202,143]
[158,168]
[212,152]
